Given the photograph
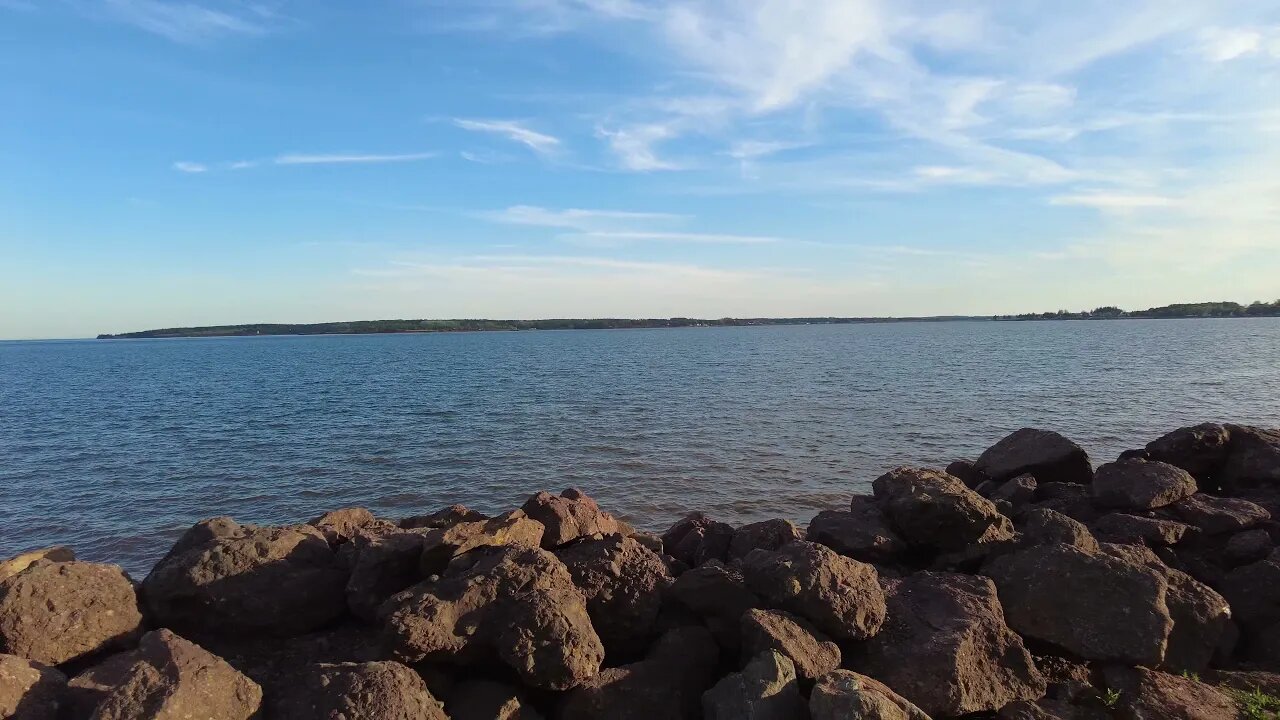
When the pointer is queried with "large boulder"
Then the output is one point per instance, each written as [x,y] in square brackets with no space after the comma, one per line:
[381,563]
[1042,526]
[568,517]
[764,535]
[718,594]
[945,647]
[1137,530]
[696,538]
[1254,593]
[29,690]
[513,529]
[863,533]
[1200,450]
[1219,515]
[481,699]
[224,578]
[368,691]
[18,563]
[167,678]
[766,689]
[624,583]
[1045,455]
[934,510]
[1144,693]
[846,695]
[1090,604]
[443,518]
[1141,485]
[1202,625]
[1253,461]
[57,612]
[515,604]
[812,653]
[839,595]
[667,684]
[340,526]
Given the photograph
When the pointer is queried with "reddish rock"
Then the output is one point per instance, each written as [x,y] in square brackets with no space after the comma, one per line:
[1046,455]
[18,563]
[445,518]
[839,595]
[697,539]
[1135,530]
[1200,450]
[718,594]
[863,533]
[1218,515]
[667,684]
[963,469]
[623,583]
[488,700]
[1017,492]
[945,647]
[1202,624]
[846,695]
[1254,593]
[57,612]
[224,578]
[766,535]
[30,690]
[568,517]
[1246,547]
[381,563]
[368,691]
[766,689]
[934,510]
[1253,461]
[513,529]
[813,654]
[1047,527]
[1141,485]
[339,526]
[1146,693]
[516,604]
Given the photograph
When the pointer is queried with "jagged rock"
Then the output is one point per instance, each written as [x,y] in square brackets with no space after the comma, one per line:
[934,510]
[30,690]
[488,700]
[667,684]
[513,529]
[945,647]
[1046,455]
[340,526]
[1141,485]
[1135,530]
[381,564]
[368,691]
[649,540]
[1254,593]
[766,689]
[1253,461]
[226,578]
[863,533]
[846,695]
[518,604]
[18,563]
[813,654]
[1017,492]
[839,595]
[568,517]
[1246,547]
[445,518]
[56,612]
[1246,680]
[765,535]
[623,583]
[1146,693]
[1202,624]
[1053,709]
[697,539]
[1095,606]
[963,469]
[1218,515]
[1047,527]
[719,595]
[1200,449]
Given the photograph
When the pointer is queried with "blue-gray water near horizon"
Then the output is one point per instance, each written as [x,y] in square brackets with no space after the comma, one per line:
[115,447]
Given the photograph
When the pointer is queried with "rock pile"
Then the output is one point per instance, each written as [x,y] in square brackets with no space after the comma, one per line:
[1025,585]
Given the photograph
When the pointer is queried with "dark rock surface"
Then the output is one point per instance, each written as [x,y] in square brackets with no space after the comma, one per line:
[766,689]
[863,533]
[623,582]
[1141,485]
[697,539]
[843,694]
[568,517]
[30,690]
[812,653]
[839,595]
[369,691]
[764,535]
[669,683]
[934,510]
[1043,454]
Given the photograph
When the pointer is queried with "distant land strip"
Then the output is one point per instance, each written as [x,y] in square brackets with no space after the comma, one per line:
[369,327]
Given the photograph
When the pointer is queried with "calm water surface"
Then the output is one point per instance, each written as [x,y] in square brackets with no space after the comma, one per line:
[114,447]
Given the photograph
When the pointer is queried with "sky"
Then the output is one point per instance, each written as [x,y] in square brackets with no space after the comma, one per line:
[193,162]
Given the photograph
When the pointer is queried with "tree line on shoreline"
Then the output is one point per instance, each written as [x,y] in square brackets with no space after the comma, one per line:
[1180,310]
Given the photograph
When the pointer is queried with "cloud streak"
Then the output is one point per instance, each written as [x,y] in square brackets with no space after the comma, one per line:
[190,22]
[540,143]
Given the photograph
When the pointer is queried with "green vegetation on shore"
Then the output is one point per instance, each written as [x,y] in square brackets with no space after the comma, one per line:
[1223,309]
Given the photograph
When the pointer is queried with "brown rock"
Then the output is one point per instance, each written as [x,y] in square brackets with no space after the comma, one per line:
[719,596]
[571,516]
[1246,680]
[1095,606]
[169,678]
[945,647]
[963,469]
[18,563]
[488,700]
[1246,547]
[765,535]
[1141,485]
[1254,593]
[367,691]
[697,539]
[1017,492]
[56,612]
[446,518]
[846,695]
[382,564]
[1047,456]
[513,529]
[1200,450]
[766,689]
[813,654]
[863,533]
[934,510]
[1216,516]
[340,526]
[1135,530]
[1053,709]
[623,583]
[667,684]
[1202,625]
[839,595]
[1047,527]
[1253,461]
[518,604]
[1149,694]
[225,579]
[29,690]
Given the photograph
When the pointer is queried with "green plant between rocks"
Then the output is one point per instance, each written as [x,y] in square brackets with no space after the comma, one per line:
[1256,704]
[1110,698]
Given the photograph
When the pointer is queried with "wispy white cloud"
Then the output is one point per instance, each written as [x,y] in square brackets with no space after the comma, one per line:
[615,237]
[513,131]
[635,148]
[191,22]
[574,218]
[190,167]
[350,159]
[614,228]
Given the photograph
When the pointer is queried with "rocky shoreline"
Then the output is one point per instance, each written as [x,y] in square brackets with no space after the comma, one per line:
[1023,585]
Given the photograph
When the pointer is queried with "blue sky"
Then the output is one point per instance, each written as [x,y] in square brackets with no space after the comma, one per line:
[223,161]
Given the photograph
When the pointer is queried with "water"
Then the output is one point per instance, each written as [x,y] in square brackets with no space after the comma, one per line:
[115,447]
